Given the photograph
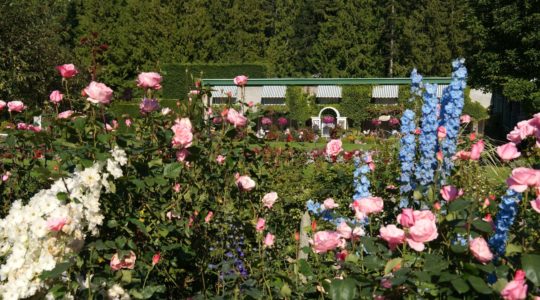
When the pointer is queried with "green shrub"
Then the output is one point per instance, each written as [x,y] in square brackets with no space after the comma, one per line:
[355,100]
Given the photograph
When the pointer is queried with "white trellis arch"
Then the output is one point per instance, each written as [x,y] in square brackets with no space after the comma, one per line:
[323,128]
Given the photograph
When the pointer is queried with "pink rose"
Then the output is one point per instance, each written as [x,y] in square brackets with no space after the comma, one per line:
[269,240]
[98,93]
[183,136]
[269,199]
[5,176]
[517,288]
[525,129]
[56,96]
[514,136]
[16,106]
[535,204]
[67,70]
[34,128]
[334,147]
[127,262]
[344,230]
[128,122]
[522,178]
[406,217]
[508,151]
[22,126]
[236,118]
[368,205]
[56,224]
[208,217]
[240,80]
[149,80]
[422,231]
[450,192]
[424,215]
[330,204]
[182,154]
[245,183]
[477,149]
[324,241]
[462,155]
[176,187]
[65,114]
[480,250]
[441,132]
[392,235]
[465,119]
[261,224]
[112,127]
[156,258]
[2,104]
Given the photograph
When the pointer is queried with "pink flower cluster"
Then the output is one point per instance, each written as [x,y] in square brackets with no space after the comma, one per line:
[420,228]
[29,127]
[13,106]
[366,206]
[523,130]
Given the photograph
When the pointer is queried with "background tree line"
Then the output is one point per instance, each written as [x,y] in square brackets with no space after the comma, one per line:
[326,38]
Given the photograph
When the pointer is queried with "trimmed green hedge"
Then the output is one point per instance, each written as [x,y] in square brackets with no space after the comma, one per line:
[132,107]
[178,79]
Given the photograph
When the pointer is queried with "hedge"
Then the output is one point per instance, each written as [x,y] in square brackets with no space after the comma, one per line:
[178,79]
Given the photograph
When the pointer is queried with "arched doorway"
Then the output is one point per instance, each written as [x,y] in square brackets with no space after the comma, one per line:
[328,118]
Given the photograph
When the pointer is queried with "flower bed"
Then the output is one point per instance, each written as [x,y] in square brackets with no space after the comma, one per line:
[170,204]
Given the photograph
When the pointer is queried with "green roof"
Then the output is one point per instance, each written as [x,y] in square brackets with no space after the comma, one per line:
[326,81]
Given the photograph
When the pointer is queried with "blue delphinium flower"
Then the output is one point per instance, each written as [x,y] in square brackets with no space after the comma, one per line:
[407,153]
[425,169]
[416,84]
[506,215]
[361,182]
[452,102]
[314,207]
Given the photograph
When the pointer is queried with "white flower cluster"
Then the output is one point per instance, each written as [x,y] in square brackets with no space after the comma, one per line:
[37,236]
[116,292]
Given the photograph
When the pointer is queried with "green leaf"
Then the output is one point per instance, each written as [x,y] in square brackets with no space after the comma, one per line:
[172,170]
[391,264]
[482,226]
[460,285]
[343,289]
[305,268]
[126,276]
[531,266]
[479,285]
[513,248]
[56,272]
[285,291]
[155,162]
[459,204]
[139,224]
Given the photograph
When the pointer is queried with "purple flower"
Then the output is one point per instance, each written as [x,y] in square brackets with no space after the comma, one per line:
[148,105]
